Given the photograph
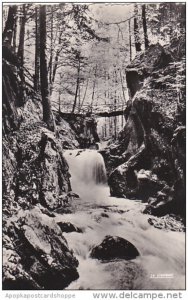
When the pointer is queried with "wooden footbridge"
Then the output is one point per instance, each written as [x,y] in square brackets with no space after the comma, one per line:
[102,110]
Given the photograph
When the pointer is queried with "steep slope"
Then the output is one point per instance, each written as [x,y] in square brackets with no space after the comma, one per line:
[35,184]
[151,147]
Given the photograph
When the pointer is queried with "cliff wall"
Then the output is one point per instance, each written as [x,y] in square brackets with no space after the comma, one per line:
[151,147]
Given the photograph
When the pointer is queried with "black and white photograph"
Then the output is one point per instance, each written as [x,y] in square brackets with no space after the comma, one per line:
[94,146]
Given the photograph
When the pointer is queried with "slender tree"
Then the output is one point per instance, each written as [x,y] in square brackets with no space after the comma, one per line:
[47,110]
[55,63]
[77,82]
[146,41]
[9,26]
[136,31]
[130,43]
[22,35]
[124,98]
[51,48]
[37,51]
[81,104]
[15,35]
[94,84]
[59,101]
[21,50]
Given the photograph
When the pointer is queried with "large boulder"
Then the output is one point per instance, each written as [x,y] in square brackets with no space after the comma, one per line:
[153,58]
[123,180]
[127,277]
[68,227]
[35,253]
[55,177]
[66,134]
[39,170]
[168,223]
[179,156]
[84,127]
[148,184]
[130,140]
[114,247]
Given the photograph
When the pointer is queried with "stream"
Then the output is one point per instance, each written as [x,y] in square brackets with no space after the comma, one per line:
[161,264]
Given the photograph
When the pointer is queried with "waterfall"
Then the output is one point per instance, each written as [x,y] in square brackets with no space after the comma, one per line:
[98,168]
[98,215]
[88,172]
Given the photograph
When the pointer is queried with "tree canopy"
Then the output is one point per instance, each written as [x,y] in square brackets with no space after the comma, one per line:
[87,47]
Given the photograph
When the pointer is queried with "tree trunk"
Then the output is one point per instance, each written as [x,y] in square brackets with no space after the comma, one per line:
[79,99]
[21,50]
[9,26]
[130,46]
[47,111]
[59,101]
[105,96]
[14,35]
[124,98]
[60,80]
[170,22]
[85,92]
[136,31]
[56,63]
[114,108]
[22,36]
[146,41]
[51,50]
[77,87]
[93,93]
[37,52]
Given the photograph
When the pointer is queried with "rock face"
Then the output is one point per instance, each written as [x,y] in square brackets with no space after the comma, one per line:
[36,255]
[127,277]
[11,92]
[68,227]
[66,134]
[142,66]
[39,168]
[168,222]
[35,185]
[85,129]
[151,146]
[114,247]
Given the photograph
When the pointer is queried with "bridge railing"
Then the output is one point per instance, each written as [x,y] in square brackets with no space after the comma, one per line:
[97,108]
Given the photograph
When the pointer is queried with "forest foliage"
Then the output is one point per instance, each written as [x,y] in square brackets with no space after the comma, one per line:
[75,55]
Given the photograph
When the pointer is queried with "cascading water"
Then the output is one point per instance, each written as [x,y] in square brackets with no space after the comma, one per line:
[162,253]
[88,173]
[88,166]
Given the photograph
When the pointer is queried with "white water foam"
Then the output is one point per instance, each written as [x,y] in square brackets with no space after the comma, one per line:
[162,253]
